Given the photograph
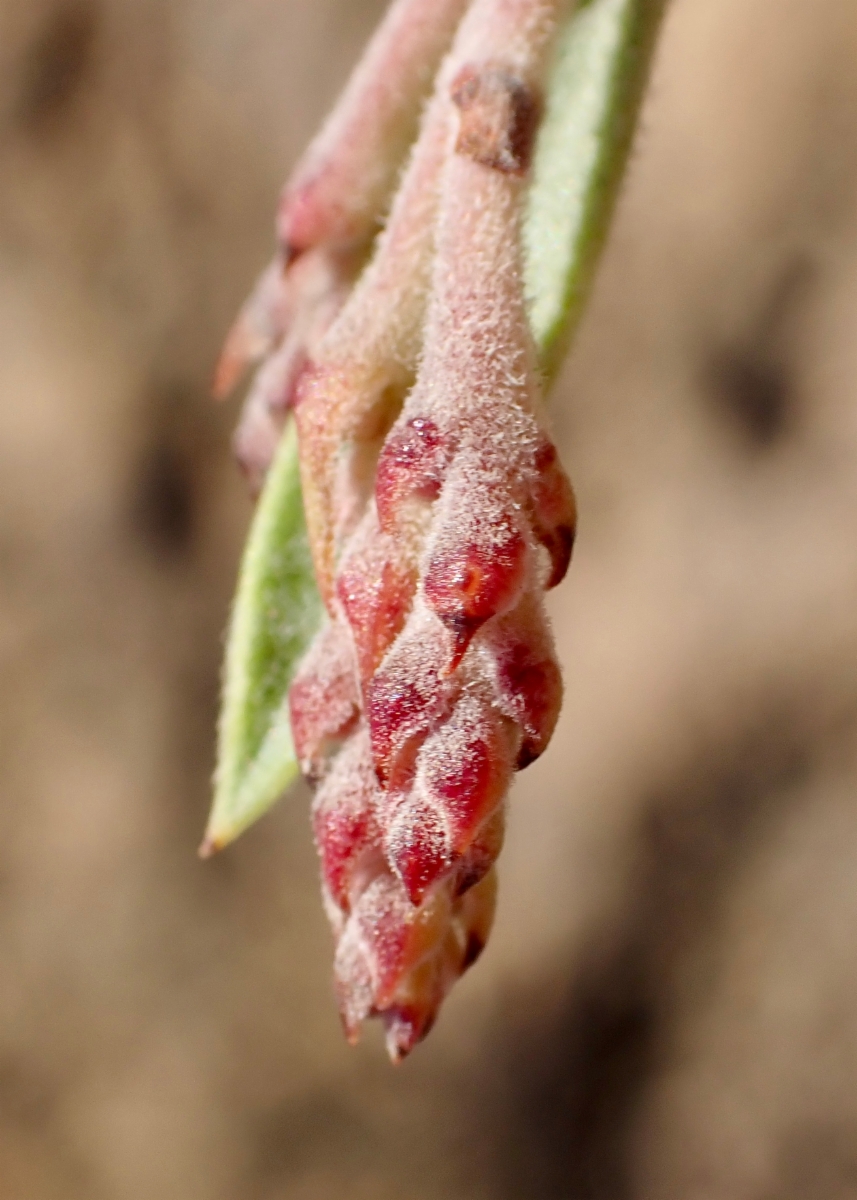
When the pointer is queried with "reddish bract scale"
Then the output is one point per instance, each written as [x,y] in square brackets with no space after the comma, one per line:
[401,716]
[405,700]
[398,935]
[411,465]
[466,774]
[324,703]
[482,852]
[344,820]
[416,845]
[528,687]
[461,777]
[304,218]
[554,511]
[375,587]
[342,834]
[470,583]
[538,688]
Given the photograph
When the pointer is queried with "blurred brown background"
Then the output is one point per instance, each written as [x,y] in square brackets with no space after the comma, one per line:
[668,1007]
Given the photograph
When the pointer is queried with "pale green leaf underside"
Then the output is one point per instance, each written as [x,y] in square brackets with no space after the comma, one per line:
[590,114]
[589,119]
[277,610]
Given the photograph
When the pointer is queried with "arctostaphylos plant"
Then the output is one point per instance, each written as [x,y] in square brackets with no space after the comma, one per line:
[389,636]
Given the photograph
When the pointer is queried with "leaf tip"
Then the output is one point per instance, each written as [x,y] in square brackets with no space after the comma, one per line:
[210,846]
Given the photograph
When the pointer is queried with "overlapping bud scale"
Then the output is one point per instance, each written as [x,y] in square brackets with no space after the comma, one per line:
[438,511]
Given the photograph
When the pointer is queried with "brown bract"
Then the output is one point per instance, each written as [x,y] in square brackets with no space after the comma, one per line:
[499,117]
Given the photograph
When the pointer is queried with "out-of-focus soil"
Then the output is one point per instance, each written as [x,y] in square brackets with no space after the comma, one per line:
[668,1006]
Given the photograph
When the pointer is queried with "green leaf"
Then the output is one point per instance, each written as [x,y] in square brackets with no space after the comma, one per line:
[276,613]
[591,109]
[593,98]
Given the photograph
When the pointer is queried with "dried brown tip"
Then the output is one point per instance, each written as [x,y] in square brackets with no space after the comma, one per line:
[499,117]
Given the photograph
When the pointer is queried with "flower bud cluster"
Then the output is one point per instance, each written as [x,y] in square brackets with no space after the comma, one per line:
[438,512]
